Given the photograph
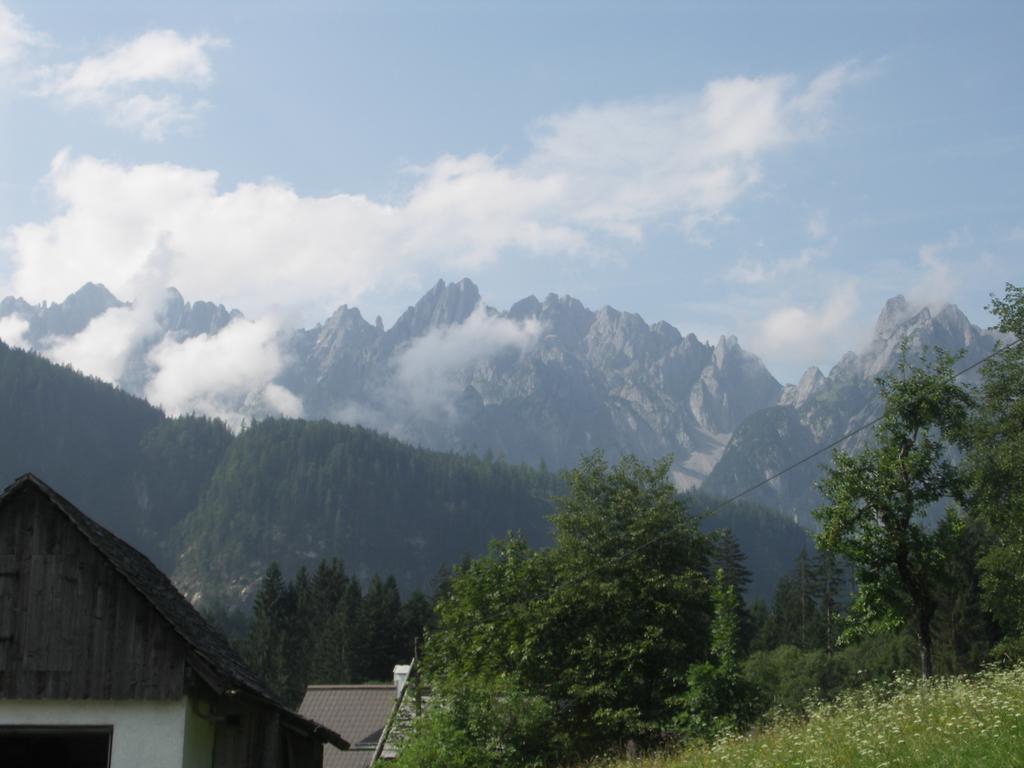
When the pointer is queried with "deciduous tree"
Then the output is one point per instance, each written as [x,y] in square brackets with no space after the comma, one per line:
[878,500]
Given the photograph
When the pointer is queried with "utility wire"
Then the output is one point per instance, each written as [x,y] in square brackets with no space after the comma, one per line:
[722,505]
[717,508]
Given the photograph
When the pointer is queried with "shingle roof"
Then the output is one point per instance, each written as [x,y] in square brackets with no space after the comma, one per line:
[357,712]
[206,642]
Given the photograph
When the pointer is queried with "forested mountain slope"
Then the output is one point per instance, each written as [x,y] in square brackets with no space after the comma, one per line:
[215,508]
[298,491]
[119,458]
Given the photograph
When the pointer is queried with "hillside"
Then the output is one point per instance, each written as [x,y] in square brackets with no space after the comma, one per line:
[215,508]
[298,491]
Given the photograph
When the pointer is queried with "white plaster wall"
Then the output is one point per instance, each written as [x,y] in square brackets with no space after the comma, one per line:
[145,733]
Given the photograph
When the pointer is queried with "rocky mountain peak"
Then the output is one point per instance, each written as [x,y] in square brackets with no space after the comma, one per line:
[74,313]
[524,308]
[186,320]
[810,384]
[896,310]
[726,346]
[566,318]
[444,304]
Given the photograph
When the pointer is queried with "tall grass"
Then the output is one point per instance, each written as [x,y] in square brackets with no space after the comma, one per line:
[974,722]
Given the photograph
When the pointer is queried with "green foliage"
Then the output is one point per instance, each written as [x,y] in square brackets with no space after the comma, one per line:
[718,700]
[791,679]
[768,540]
[996,466]
[323,629]
[119,458]
[268,647]
[808,607]
[288,489]
[630,609]
[959,722]
[878,500]
[474,721]
[220,507]
[602,626]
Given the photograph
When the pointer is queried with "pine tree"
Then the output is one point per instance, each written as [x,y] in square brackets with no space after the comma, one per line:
[727,556]
[268,643]
[828,582]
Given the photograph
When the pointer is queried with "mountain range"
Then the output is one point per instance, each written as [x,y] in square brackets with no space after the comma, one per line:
[214,508]
[548,380]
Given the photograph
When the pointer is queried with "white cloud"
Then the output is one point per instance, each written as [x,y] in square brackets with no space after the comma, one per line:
[158,56]
[595,173]
[132,83]
[12,331]
[228,375]
[431,372]
[16,37]
[103,347]
[794,333]
[754,271]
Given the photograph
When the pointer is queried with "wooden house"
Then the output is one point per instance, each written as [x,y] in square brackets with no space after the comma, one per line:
[104,663]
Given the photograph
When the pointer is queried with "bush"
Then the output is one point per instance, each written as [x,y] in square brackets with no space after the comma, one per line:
[486,722]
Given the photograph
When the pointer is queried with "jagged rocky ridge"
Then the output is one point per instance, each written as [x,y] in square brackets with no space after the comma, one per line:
[548,380]
[545,381]
[821,409]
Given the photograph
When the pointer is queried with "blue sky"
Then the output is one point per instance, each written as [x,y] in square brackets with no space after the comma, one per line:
[773,170]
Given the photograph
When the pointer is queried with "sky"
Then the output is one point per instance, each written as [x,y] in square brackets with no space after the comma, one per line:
[770,170]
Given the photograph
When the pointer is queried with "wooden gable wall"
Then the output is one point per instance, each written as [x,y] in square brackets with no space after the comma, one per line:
[71,627]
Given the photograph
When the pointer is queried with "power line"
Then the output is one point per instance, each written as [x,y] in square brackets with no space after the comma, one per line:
[752,488]
[805,459]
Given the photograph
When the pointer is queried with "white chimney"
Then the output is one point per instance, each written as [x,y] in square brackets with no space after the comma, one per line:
[401,675]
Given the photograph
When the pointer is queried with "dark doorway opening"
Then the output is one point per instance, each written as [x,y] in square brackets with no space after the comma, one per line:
[55,747]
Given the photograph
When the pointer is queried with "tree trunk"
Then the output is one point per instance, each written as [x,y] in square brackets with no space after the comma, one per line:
[924,643]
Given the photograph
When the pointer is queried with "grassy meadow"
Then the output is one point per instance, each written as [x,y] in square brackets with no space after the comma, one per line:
[973,722]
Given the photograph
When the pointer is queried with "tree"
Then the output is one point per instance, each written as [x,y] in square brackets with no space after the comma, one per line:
[878,500]
[268,645]
[631,608]
[603,626]
[996,470]
[828,579]
[718,699]
[795,617]
[727,556]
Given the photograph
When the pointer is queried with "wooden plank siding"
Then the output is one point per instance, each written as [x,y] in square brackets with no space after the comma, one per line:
[71,627]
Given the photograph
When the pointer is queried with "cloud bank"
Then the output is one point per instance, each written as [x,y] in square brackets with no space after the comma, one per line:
[593,179]
[593,174]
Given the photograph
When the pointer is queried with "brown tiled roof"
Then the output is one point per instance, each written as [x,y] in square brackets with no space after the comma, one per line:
[209,646]
[358,712]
